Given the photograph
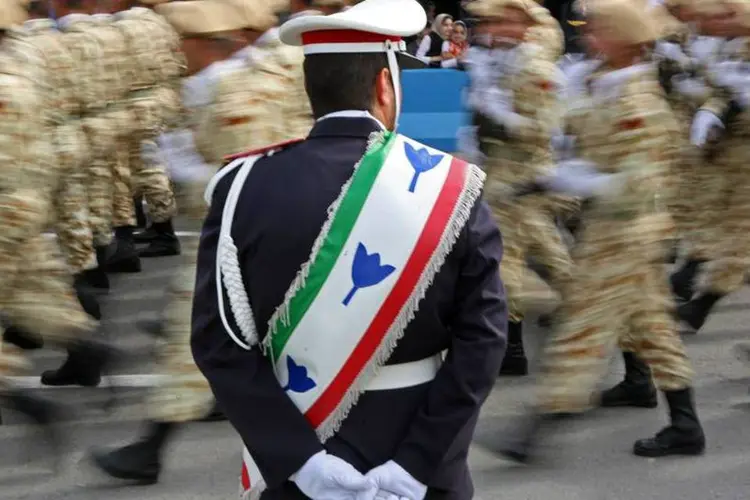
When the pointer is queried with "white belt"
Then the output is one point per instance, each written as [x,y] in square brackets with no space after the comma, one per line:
[404,375]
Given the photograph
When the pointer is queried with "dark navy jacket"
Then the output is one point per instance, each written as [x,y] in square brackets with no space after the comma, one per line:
[427,429]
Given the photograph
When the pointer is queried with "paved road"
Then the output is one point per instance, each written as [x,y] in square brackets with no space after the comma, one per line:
[589,460]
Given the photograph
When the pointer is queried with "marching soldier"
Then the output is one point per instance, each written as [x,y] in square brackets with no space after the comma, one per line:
[720,129]
[37,291]
[221,28]
[517,118]
[155,101]
[76,24]
[385,434]
[618,292]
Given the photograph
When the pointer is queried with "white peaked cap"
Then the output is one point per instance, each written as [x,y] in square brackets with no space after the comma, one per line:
[370,26]
[393,19]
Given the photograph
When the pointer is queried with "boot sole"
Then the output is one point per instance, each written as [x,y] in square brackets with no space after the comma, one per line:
[692,450]
[135,479]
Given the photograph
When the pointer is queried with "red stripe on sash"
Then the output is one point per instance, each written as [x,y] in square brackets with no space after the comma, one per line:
[427,243]
[245,478]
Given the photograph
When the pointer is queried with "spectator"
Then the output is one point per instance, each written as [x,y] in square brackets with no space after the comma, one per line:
[413,42]
[454,49]
[431,48]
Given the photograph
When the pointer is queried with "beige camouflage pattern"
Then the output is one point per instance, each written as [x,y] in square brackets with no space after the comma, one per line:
[36,292]
[245,115]
[528,224]
[96,121]
[118,68]
[70,207]
[618,292]
[154,48]
[729,219]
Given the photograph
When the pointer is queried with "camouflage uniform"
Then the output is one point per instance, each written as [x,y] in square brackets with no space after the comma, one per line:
[154,101]
[730,222]
[97,120]
[618,290]
[70,207]
[518,156]
[36,294]
[118,70]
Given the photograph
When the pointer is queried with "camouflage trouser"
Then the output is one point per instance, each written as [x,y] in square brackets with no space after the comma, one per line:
[150,179]
[123,211]
[71,209]
[37,295]
[729,249]
[615,297]
[184,394]
[529,229]
[679,190]
[102,132]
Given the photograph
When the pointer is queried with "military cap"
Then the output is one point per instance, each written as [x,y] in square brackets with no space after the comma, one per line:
[203,17]
[371,26]
[13,13]
[626,20]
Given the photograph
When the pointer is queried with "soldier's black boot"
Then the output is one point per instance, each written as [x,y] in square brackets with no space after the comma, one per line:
[86,296]
[124,258]
[97,277]
[682,280]
[515,363]
[164,243]
[695,313]
[525,443]
[683,437]
[83,367]
[22,339]
[637,389]
[139,461]
[140,215]
[43,413]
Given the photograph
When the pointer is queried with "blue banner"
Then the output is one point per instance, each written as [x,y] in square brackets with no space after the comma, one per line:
[433,108]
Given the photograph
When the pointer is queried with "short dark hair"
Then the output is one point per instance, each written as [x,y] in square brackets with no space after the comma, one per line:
[39,8]
[335,82]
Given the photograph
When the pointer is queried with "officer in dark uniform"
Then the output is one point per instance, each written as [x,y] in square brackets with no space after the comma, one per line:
[409,439]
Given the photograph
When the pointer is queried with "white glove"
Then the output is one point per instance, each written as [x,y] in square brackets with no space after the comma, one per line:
[731,74]
[581,179]
[690,87]
[673,52]
[498,105]
[394,483]
[703,124]
[326,477]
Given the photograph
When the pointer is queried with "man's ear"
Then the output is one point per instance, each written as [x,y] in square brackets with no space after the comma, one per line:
[384,93]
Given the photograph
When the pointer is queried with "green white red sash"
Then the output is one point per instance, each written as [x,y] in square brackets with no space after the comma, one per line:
[386,237]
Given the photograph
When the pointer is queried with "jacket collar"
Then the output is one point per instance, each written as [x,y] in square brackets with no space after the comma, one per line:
[346,124]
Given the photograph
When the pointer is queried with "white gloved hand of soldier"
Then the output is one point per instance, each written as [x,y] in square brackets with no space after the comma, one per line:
[672,52]
[326,477]
[579,178]
[735,76]
[692,88]
[704,123]
[498,105]
[394,483]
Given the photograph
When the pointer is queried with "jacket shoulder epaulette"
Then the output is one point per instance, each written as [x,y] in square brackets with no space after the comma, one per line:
[263,151]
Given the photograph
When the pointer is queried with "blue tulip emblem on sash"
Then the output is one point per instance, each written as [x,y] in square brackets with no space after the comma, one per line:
[299,381]
[366,271]
[421,161]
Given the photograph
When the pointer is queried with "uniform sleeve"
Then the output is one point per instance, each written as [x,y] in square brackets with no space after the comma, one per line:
[537,102]
[275,432]
[245,113]
[479,336]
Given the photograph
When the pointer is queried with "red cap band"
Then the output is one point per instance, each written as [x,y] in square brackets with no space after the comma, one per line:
[346,36]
